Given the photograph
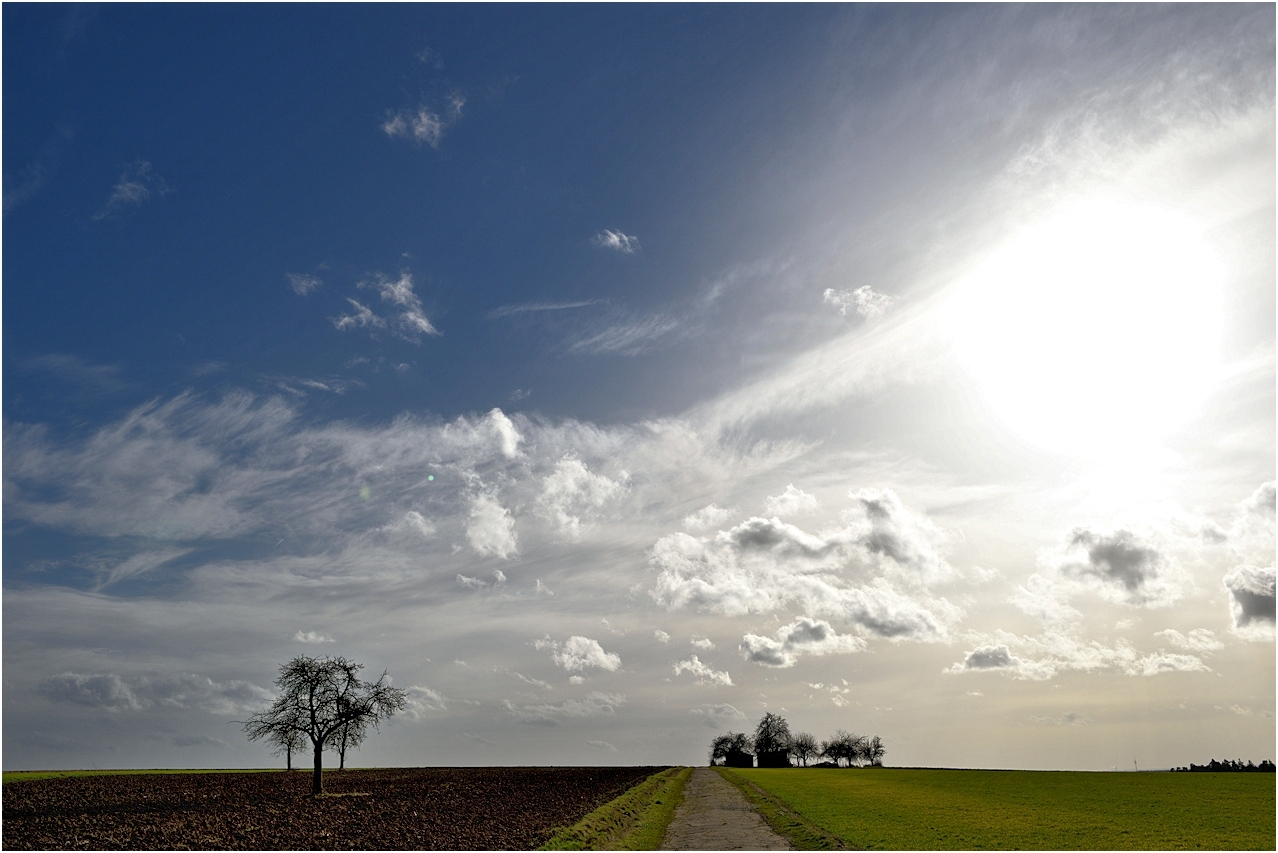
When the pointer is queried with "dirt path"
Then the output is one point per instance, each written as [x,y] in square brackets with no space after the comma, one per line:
[714,815]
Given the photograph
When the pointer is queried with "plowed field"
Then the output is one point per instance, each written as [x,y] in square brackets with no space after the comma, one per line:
[481,808]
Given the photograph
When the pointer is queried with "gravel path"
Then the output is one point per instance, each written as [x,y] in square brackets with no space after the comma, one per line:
[714,815]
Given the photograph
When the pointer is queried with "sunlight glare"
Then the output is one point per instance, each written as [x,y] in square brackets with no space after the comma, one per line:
[1095,330]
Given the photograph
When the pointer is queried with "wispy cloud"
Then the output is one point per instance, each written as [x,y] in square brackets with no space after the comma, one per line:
[423,124]
[302,284]
[617,241]
[137,185]
[532,307]
[632,337]
[409,324]
[865,301]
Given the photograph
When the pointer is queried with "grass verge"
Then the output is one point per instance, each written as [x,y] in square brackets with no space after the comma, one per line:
[636,820]
[898,809]
[35,775]
[802,833]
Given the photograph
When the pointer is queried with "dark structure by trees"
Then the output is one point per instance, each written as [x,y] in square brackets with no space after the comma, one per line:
[734,749]
[772,741]
[804,746]
[773,744]
[321,700]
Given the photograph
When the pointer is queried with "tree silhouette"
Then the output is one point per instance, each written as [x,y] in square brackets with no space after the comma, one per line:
[804,746]
[772,741]
[319,698]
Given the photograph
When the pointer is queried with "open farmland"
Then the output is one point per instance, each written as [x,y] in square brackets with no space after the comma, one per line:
[515,808]
[1029,810]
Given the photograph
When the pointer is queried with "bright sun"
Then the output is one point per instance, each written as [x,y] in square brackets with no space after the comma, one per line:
[1094,330]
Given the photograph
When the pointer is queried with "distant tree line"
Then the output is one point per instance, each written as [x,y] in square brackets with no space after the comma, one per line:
[773,745]
[1227,766]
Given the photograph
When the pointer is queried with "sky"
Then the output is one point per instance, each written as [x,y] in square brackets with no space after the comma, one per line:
[611,375]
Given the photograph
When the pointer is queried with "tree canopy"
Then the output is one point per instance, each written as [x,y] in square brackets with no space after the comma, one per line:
[322,698]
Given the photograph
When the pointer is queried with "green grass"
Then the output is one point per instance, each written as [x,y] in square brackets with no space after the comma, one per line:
[636,820]
[801,832]
[888,809]
[34,775]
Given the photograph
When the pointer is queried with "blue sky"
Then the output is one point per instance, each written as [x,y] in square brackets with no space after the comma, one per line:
[613,374]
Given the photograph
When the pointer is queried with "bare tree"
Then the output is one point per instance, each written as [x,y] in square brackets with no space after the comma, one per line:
[318,698]
[844,747]
[874,751]
[804,746]
[287,742]
[772,741]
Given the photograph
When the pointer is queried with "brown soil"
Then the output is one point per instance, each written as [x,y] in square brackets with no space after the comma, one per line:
[480,808]
[714,815]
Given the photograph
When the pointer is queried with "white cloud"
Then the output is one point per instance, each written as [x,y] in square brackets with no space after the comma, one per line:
[137,185]
[491,530]
[632,337]
[1251,601]
[572,492]
[579,653]
[765,565]
[98,691]
[717,715]
[802,636]
[419,523]
[302,284]
[1041,658]
[601,744]
[865,300]
[411,320]
[363,318]
[661,636]
[703,673]
[790,502]
[618,241]
[499,578]
[423,124]
[593,705]
[537,307]
[312,637]
[703,643]
[707,517]
[535,682]
[422,700]
[504,431]
[1200,640]
[1069,718]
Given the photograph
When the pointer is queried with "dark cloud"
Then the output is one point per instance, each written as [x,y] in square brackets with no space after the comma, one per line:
[989,657]
[1252,596]
[106,691]
[1117,557]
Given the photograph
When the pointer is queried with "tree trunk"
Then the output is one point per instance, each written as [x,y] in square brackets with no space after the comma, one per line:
[288,758]
[317,778]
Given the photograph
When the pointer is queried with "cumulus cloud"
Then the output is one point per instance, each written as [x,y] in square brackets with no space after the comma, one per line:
[717,716]
[707,517]
[661,636]
[137,185]
[764,565]
[579,653]
[106,691]
[302,284]
[802,636]
[1041,658]
[1121,567]
[593,705]
[702,673]
[491,530]
[1251,601]
[703,643]
[572,492]
[1199,640]
[617,241]
[790,502]
[312,637]
[424,124]
[865,301]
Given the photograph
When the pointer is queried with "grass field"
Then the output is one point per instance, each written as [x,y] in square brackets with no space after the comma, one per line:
[888,809]
[636,820]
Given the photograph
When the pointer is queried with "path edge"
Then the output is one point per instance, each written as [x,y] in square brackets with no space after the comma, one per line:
[802,833]
[636,820]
